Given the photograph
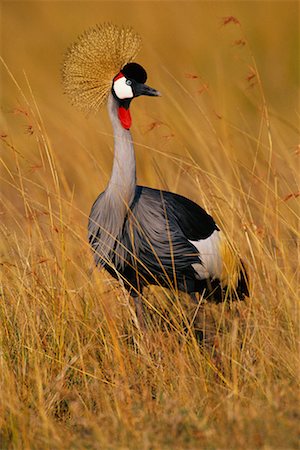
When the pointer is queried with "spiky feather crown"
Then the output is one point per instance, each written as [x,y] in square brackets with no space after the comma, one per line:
[94,59]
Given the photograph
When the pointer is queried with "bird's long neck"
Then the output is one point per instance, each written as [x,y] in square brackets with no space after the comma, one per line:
[122,182]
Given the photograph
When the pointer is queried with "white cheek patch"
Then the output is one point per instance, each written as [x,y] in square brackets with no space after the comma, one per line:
[122,90]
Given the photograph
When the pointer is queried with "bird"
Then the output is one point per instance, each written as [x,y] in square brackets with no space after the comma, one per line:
[143,236]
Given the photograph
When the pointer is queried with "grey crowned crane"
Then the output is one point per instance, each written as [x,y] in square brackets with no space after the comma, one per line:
[138,234]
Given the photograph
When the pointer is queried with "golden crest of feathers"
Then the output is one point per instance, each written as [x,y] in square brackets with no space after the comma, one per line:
[94,59]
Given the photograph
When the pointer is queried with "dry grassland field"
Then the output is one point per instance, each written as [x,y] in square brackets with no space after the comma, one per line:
[76,372]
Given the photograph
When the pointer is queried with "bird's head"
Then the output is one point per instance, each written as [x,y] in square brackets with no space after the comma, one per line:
[128,84]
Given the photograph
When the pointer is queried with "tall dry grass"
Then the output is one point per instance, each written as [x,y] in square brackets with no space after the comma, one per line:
[75,370]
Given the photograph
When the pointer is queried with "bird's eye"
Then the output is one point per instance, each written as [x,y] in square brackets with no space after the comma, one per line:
[129,82]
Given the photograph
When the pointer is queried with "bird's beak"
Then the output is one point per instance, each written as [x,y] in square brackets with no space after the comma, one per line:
[143,89]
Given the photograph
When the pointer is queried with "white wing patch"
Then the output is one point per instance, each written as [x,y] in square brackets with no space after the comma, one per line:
[122,89]
[210,256]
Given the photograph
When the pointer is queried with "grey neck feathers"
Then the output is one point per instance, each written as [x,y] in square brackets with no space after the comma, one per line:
[122,182]
[110,209]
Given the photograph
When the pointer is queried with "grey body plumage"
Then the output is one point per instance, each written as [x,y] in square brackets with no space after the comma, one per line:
[152,246]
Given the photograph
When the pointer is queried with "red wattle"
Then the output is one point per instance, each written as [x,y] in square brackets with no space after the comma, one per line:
[125,117]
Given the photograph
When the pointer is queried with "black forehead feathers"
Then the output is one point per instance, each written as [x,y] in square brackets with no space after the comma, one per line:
[135,72]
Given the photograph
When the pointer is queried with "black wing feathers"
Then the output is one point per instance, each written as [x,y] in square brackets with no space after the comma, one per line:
[193,220]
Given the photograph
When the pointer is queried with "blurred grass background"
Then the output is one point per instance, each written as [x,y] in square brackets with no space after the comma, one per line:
[75,371]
